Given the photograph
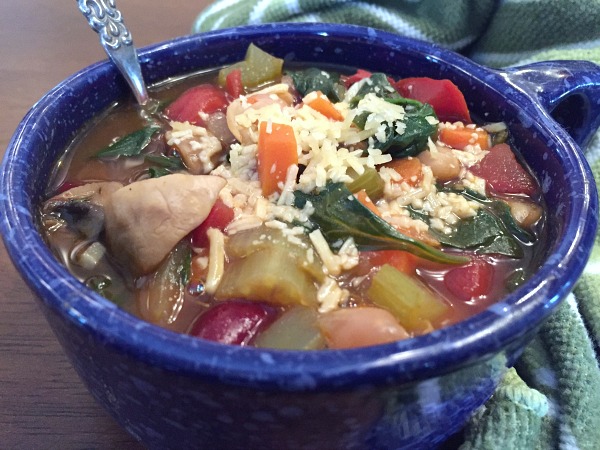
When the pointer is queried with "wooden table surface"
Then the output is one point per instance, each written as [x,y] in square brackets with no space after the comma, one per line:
[43,403]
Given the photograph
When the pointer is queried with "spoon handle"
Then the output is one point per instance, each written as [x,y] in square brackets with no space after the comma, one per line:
[104,17]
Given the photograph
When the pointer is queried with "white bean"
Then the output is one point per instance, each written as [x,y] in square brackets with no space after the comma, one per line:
[525,212]
[444,165]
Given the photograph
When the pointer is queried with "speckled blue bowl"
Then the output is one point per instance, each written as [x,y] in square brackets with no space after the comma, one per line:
[170,390]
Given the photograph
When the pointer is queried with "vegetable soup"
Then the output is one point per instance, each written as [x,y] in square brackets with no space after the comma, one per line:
[296,207]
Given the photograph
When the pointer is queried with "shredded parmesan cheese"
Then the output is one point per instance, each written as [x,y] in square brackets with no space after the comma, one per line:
[196,146]
[330,295]
[346,258]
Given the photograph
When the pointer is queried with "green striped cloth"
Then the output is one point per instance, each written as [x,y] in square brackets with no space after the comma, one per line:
[551,399]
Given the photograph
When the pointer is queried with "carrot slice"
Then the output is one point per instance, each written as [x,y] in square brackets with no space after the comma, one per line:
[459,137]
[277,151]
[323,105]
[410,169]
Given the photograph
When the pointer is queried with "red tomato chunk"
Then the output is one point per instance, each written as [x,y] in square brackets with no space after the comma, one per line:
[219,217]
[359,75]
[204,98]
[470,281]
[504,173]
[444,97]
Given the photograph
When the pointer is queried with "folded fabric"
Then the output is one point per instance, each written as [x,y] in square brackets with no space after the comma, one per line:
[551,398]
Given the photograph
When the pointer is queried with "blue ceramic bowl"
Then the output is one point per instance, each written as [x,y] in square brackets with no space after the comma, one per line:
[171,390]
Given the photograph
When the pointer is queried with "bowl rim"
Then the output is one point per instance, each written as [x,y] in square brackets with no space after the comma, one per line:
[411,360]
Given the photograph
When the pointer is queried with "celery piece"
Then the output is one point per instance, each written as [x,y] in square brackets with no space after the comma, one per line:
[295,329]
[370,181]
[409,300]
[245,242]
[242,244]
[257,68]
[270,275]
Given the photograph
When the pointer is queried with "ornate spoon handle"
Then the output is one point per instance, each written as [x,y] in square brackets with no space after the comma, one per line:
[104,17]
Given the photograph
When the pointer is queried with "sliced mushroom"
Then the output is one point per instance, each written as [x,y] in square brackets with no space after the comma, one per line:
[81,208]
[147,218]
[96,193]
[73,221]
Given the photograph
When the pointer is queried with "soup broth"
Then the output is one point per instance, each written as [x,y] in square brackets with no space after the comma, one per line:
[296,207]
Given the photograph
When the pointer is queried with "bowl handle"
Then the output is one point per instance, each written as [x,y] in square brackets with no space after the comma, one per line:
[568,90]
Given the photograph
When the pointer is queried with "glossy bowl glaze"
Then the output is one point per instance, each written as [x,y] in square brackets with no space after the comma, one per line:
[174,391]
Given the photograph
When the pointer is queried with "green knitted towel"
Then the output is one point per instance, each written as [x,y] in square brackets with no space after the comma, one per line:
[551,399]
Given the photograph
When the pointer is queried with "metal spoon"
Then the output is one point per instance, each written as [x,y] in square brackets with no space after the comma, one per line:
[104,17]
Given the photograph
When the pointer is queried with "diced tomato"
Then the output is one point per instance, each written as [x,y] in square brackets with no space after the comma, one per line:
[443,95]
[234,322]
[403,261]
[204,98]
[504,173]
[471,280]
[233,83]
[219,217]
[359,75]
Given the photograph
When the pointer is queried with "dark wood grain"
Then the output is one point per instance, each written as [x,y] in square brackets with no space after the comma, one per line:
[43,403]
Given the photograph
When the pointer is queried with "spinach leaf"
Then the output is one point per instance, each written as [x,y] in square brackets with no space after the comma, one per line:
[417,215]
[163,165]
[413,139]
[492,230]
[129,145]
[157,172]
[416,128]
[484,233]
[379,85]
[339,215]
[497,207]
[313,79]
